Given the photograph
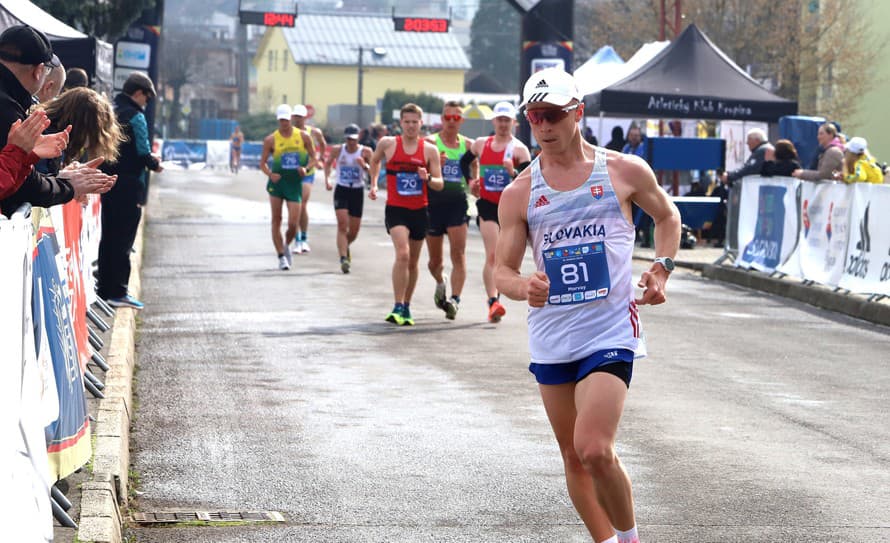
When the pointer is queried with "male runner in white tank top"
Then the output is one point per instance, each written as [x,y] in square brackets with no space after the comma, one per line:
[573,204]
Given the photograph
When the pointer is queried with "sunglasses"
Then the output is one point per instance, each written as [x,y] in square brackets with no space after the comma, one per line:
[452,117]
[552,114]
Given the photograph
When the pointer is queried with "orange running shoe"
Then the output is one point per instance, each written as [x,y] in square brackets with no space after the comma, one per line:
[496,311]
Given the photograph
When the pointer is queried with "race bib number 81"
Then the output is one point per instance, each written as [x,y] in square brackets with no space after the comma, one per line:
[577,274]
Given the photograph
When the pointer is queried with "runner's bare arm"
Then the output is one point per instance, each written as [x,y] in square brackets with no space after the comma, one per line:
[512,242]
[376,158]
[321,143]
[334,155]
[310,151]
[268,148]
[435,166]
[636,179]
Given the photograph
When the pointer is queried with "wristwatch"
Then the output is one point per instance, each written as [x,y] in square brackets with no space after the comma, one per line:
[666,262]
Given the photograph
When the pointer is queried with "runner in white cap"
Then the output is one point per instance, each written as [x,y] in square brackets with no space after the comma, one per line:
[572,206]
[501,157]
[299,113]
[292,155]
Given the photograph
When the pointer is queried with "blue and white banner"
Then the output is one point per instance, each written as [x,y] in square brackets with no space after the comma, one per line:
[184,153]
[867,266]
[768,221]
[824,227]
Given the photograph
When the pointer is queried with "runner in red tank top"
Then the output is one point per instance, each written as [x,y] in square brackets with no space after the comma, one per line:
[411,164]
[501,157]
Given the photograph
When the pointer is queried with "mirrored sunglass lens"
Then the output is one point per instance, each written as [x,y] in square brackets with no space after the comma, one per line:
[538,116]
[452,117]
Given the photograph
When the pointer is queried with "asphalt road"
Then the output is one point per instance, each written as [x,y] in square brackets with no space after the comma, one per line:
[753,419]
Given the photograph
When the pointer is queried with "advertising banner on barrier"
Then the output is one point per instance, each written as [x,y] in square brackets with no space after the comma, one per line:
[251,152]
[68,437]
[90,234]
[184,153]
[29,391]
[767,222]
[867,269]
[824,227]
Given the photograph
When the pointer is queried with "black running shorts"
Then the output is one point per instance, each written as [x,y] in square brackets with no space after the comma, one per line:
[416,220]
[446,215]
[351,199]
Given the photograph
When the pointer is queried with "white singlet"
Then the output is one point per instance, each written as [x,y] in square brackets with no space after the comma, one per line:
[584,243]
[349,174]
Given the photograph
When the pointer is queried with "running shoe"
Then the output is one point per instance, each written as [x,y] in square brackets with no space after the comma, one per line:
[344,264]
[395,316]
[496,311]
[125,301]
[298,246]
[450,309]
[406,317]
[440,296]
[290,258]
[305,246]
[283,263]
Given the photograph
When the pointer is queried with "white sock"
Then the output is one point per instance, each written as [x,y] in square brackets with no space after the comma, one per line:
[629,536]
[613,539]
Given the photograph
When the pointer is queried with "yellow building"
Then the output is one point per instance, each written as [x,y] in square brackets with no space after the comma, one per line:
[317,63]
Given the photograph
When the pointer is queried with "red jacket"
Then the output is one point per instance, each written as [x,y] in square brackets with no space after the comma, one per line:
[15,165]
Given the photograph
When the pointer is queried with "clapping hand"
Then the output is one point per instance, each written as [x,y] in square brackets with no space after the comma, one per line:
[86,179]
[28,136]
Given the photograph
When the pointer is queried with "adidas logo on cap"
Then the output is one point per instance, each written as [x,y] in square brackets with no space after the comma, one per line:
[541,84]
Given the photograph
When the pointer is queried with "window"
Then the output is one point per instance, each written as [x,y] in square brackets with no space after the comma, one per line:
[270,60]
[284,60]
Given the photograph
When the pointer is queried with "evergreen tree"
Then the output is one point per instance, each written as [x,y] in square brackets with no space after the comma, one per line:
[108,19]
[494,42]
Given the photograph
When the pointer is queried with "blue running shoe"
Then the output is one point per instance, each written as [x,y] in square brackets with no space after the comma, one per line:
[125,301]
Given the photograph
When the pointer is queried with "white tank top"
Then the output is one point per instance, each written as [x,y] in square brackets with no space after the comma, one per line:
[584,243]
[349,174]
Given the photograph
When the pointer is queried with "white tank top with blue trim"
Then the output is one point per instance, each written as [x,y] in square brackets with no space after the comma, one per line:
[349,174]
[584,243]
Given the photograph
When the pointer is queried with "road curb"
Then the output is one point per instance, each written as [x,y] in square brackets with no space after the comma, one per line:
[821,297]
[107,490]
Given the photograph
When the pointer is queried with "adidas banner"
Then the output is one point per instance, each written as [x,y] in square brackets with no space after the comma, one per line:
[767,224]
[824,228]
[867,265]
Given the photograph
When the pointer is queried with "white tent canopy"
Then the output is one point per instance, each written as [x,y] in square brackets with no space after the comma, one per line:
[23,10]
[595,77]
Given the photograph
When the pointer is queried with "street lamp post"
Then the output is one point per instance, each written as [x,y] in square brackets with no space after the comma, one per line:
[378,52]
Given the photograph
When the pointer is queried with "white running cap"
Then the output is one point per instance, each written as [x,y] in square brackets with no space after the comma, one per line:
[550,85]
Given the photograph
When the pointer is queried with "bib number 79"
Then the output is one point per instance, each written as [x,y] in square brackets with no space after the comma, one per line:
[570,273]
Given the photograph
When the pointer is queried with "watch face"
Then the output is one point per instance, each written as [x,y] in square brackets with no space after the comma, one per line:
[666,262]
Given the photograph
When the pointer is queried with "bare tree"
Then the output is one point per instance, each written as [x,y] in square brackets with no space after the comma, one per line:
[179,64]
[803,49]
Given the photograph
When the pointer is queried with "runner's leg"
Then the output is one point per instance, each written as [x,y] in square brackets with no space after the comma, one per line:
[343,223]
[355,223]
[293,219]
[304,213]
[415,246]
[277,241]
[457,243]
[436,264]
[400,272]
[599,398]
[490,231]
[559,403]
